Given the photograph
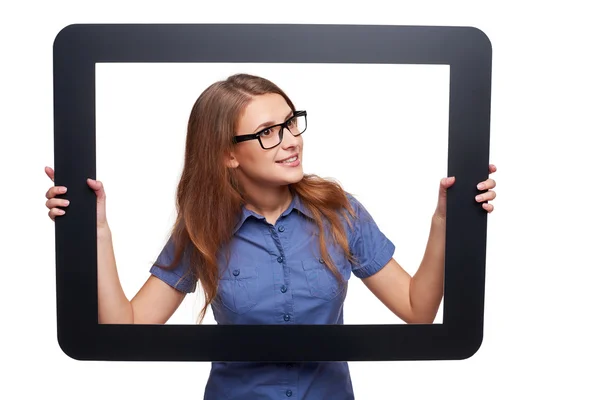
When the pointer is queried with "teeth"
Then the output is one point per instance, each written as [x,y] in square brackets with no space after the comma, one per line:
[289,160]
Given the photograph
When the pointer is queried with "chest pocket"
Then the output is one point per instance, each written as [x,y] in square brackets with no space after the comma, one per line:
[238,289]
[321,281]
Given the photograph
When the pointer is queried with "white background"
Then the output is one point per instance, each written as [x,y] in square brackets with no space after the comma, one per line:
[380,130]
[540,336]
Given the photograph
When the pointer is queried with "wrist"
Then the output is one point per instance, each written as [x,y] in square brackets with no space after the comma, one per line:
[103,230]
[438,219]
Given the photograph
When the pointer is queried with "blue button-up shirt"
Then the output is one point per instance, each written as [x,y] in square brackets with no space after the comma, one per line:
[276,276]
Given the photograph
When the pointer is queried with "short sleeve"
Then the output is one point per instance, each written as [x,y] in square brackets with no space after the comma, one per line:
[180,277]
[369,246]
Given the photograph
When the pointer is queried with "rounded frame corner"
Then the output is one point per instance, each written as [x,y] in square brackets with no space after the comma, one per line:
[471,348]
[64,34]
[69,348]
[481,38]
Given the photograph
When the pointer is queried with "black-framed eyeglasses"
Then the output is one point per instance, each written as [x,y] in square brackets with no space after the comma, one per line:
[271,137]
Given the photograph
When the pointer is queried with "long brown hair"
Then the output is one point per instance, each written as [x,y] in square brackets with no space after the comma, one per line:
[209,198]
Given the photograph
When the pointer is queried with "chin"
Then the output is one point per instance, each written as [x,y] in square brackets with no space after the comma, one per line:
[298,179]
[293,177]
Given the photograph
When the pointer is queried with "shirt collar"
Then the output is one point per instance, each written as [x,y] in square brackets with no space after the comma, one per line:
[296,204]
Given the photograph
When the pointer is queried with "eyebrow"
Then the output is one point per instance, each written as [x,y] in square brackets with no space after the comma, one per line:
[271,123]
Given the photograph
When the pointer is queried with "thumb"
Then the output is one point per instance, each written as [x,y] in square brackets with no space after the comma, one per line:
[98,188]
[445,183]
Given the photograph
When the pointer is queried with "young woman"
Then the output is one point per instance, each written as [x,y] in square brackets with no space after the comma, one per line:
[268,244]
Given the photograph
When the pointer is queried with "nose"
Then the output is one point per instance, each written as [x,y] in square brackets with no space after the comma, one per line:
[290,140]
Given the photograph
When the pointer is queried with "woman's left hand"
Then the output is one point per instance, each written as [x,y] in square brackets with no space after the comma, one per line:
[483,198]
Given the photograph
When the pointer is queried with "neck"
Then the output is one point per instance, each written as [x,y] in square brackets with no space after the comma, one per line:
[268,202]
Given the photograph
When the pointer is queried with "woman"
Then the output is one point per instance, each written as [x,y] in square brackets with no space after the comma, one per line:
[268,244]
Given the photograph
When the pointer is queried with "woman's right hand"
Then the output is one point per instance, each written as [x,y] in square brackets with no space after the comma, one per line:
[54,205]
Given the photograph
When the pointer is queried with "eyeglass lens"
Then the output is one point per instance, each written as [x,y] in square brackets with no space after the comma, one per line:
[272,137]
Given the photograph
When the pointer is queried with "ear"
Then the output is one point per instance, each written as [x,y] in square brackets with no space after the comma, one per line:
[231,161]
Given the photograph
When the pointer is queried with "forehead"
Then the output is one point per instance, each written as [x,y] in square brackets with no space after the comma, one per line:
[270,107]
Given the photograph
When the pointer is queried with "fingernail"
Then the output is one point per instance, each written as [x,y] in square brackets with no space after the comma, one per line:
[63,189]
[67,202]
[478,198]
[480,186]
[61,211]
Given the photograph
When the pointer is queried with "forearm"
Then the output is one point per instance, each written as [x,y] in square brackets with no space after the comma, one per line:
[427,284]
[113,305]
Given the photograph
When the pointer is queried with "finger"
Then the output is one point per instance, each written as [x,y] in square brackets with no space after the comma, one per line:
[488,207]
[50,173]
[94,184]
[54,203]
[488,184]
[55,212]
[447,182]
[55,191]
[487,196]
[97,187]
[492,168]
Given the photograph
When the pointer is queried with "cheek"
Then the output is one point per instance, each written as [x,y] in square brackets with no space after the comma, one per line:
[255,159]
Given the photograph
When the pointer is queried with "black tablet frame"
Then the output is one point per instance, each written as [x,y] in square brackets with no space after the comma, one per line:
[77,48]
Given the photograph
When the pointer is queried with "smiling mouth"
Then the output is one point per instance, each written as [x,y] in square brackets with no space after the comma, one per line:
[288,160]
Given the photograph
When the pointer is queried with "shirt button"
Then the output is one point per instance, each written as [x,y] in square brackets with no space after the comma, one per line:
[321,261]
[283,288]
[236,272]
[288,393]
[281,229]
[286,317]
[279,259]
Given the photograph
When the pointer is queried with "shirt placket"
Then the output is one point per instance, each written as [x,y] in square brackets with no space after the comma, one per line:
[285,314]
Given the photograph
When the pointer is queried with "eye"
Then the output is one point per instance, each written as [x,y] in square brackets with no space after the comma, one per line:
[266,133]
[292,122]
